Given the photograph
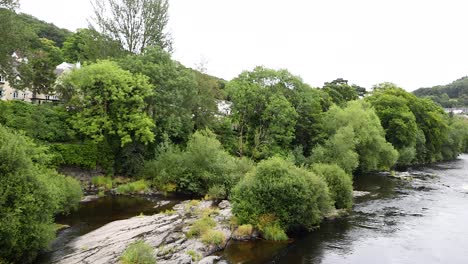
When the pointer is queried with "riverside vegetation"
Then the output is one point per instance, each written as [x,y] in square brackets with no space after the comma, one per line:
[285,156]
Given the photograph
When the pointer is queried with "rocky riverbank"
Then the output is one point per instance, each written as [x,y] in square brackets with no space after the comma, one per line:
[165,232]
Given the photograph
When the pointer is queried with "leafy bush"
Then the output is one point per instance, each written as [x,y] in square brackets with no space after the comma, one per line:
[133,187]
[138,253]
[295,196]
[203,165]
[31,194]
[213,237]
[339,183]
[83,155]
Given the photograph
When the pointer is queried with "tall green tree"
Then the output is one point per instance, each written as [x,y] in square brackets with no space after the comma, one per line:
[136,24]
[11,4]
[274,110]
[341,92]
[374,152]
[109,105]
[174,93]
[90,45]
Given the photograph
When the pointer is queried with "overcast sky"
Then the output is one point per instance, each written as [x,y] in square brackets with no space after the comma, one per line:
[413,43]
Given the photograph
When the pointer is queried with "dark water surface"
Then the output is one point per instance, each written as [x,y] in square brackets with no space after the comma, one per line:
[420,219]
[96,213]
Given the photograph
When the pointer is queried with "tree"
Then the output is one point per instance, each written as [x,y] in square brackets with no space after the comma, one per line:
[10,4]
[90,45]
[30,196]
[341,92]
[274,110]
[136,24]
[109,105]
[36,73]
[174,93]
[375,153]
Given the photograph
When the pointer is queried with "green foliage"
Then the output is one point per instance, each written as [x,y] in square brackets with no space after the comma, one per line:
[244,230]
[44,122]
[31,195]
[102,181]
[89,45]
[274,232]
[174,97]
[341,92]
[451,95]
[138,253]
[111,103]
[295,196]
[418,128]
[136,24]
[274,109]
[84,155]
[213,237]
[201,226]
[133,187]
[357,118]
[195,256]
[339,183]
[339,149]
[203,165]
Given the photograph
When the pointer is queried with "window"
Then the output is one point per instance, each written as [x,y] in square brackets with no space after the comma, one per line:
[2,79]
[15,94]
[47,97]
[1,93]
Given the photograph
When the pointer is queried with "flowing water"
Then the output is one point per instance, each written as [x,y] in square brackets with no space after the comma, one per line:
[422,218]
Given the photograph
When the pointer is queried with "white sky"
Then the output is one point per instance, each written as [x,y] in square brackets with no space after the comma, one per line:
[413,43]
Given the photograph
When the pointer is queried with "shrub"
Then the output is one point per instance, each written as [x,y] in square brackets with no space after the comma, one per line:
[295,196]
[133,187]
[244,230]
[201,226]
[83,155]
[138,253]
[30,195]
[213,237]
[102,181]
[202,166]
[339,183]
[274,232]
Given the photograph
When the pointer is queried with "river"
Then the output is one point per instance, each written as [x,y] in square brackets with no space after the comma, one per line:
[418,219]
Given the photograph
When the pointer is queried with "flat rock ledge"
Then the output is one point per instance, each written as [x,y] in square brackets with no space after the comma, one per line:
[165,232]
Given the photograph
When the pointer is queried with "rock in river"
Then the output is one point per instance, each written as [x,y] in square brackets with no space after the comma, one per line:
[164,232]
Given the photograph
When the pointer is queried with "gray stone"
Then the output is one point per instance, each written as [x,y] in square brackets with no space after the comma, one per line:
[209,260]
[224,204]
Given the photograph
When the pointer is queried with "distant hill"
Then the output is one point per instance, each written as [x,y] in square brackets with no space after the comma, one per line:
[451,95]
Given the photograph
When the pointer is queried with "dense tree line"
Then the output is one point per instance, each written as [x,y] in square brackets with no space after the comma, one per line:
[451,95]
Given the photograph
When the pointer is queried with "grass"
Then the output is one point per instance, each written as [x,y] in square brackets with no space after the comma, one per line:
[133,187]
[168,212]
[274,232]
[244,231]
[102,181]
[213,237]
[201,226]
[138,253]
[195,256]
